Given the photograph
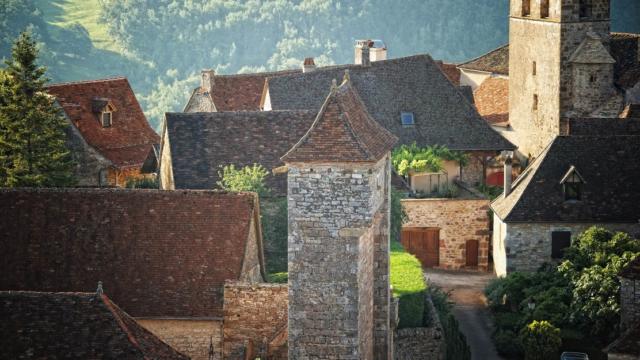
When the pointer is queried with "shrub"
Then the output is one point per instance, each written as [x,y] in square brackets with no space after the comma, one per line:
[278,278]
[142,183]
[408,285]
[540,340]
[412,157]
[507,343]
[248,178]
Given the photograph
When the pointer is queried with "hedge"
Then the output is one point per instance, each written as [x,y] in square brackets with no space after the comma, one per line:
[408,285]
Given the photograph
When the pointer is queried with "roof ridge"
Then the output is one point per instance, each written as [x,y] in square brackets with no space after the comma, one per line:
[352,132]
[111,307]
[114,78]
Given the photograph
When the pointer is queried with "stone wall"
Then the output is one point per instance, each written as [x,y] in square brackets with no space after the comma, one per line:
[166,165]
[255,313]
[191,337]
[333,211]
[251,270]
[89,163]
[526,246]
[459,221]
[629,303]
[426,343]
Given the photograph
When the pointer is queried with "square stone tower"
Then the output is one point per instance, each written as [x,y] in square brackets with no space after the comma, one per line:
[559,66]
[338,198]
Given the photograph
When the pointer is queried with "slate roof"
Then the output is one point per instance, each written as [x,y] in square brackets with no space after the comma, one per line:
[343,131]
[632,271]
[129,139]
[240,92]
[492,101]
[627,344]
[495,61]
[443,116]
[604,126]
[203,142]
[624,48]
[158,253]
[37,325]
[610,193]
[451,71]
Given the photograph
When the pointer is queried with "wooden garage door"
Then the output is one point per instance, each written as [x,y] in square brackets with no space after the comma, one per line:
[424,243]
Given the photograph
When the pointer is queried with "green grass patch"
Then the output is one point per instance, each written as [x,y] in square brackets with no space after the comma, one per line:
[278,278]
[408,285]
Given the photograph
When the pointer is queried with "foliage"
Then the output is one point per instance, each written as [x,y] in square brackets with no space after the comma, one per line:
[398,215]
[408,286]
[413,158]
[142,183]
[278,277]
[492,192]
[448,191]
[540,340]
[248,178]
[33,148]
[274,221]
[456,342]
[507,343]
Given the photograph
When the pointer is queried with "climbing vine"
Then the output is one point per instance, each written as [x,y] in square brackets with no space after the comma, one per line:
[429,159]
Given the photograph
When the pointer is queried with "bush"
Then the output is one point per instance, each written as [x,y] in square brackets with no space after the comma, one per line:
[411,157]
[507,343]
[540,340]
[408,285]
[248,178]
[142,183]
[456,342]
[278,278]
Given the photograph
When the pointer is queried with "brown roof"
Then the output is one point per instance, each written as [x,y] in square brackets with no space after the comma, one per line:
[158,253]
[451,71]
[492,101]
[495,61]
[129,139]
[343,131]
[37,325]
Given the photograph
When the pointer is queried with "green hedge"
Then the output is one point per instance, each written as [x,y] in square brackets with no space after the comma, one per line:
[408,285]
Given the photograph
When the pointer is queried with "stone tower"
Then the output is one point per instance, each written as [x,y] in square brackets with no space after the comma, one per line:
[559,67]
[338,198]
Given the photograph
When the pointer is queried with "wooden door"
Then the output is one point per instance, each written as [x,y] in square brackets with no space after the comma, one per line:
[472,252]
[424,243]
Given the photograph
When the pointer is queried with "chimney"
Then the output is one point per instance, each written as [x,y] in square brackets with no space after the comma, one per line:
[207,80]
[309,65]
[508,158]
[363,52]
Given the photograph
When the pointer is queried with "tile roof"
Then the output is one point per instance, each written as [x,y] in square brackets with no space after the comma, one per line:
[492,101]
[451,71]
[240,92]
[203,142]
[128,141]
[40,325]
[343,131]
[158,253]
[443,116]
[495,61]
[632,270]
[537,194]
[627,344]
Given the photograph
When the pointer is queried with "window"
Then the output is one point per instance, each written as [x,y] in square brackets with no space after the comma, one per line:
[544,9]
[526,7]
[572,183]
[535,69]
[560,241]
[106,119]
[593,78]
[585,8]
[535,102]
[407,119]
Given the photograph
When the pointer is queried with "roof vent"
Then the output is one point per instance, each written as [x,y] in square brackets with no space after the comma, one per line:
[370,50]
[308,65]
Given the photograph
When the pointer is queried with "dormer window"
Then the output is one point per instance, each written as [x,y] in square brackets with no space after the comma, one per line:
[572,184]
[106,119]
[104,109]
[407,119]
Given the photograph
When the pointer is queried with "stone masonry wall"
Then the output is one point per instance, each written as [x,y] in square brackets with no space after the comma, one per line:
[251,271]
[190,337]
[383,341]
[629,303]
[459,221]
[331,213]
[422,343]
[254,312]
[526,246]
[89,162]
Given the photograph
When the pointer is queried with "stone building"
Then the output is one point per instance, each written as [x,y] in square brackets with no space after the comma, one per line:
[109,136]
[45,325]
[578,181]
[163,256]
[627,346]
[339,180]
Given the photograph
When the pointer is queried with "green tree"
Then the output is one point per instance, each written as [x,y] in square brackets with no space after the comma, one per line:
[248,178]
[540,340]
[32,129]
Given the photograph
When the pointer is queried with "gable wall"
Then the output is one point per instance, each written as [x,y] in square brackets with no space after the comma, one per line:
[251,271]
[166,166]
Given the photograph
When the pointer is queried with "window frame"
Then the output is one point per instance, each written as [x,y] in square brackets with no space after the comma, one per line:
[526,8]
[402,117]
[585,10]
[564,236]
[544,9]
[102,115]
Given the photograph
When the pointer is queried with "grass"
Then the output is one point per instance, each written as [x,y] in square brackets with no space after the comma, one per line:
[408,285]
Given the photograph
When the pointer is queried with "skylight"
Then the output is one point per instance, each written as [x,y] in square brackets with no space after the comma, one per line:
[407,119]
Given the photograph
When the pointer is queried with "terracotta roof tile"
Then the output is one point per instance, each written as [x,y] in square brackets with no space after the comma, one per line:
[129,139]
[37,325]
[451,71]
[342,132]
[492,101]
[158,253]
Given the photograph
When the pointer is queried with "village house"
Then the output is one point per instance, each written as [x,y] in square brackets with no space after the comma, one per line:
[45,325]
[627,346]
[109,136]
[162,256]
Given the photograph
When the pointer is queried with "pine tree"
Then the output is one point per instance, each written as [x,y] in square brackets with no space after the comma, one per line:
[33,148]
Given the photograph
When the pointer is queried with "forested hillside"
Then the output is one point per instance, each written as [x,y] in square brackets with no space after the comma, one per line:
[161,45]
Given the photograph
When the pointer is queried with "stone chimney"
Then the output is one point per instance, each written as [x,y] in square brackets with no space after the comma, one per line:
[370,50]
[309,65]
[508,159]
[207,80]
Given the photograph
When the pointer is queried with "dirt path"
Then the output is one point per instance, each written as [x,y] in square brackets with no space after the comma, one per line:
[470,308]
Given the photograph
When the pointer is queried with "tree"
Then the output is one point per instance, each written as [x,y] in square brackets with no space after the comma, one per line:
[249,178]
[540,340]
[33,148]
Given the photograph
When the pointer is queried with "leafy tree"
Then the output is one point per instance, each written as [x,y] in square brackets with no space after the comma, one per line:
[540,340]
[413,158]
[32,129]
[248,178]
[398,215]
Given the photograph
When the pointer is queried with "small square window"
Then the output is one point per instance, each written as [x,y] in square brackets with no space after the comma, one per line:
[407,119]
[106,119]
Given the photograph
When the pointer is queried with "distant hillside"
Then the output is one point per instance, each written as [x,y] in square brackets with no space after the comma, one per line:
[162,45]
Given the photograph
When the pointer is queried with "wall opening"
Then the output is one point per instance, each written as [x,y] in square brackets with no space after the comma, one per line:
[544,9]
[526,7]
[535,102]
[586,8]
